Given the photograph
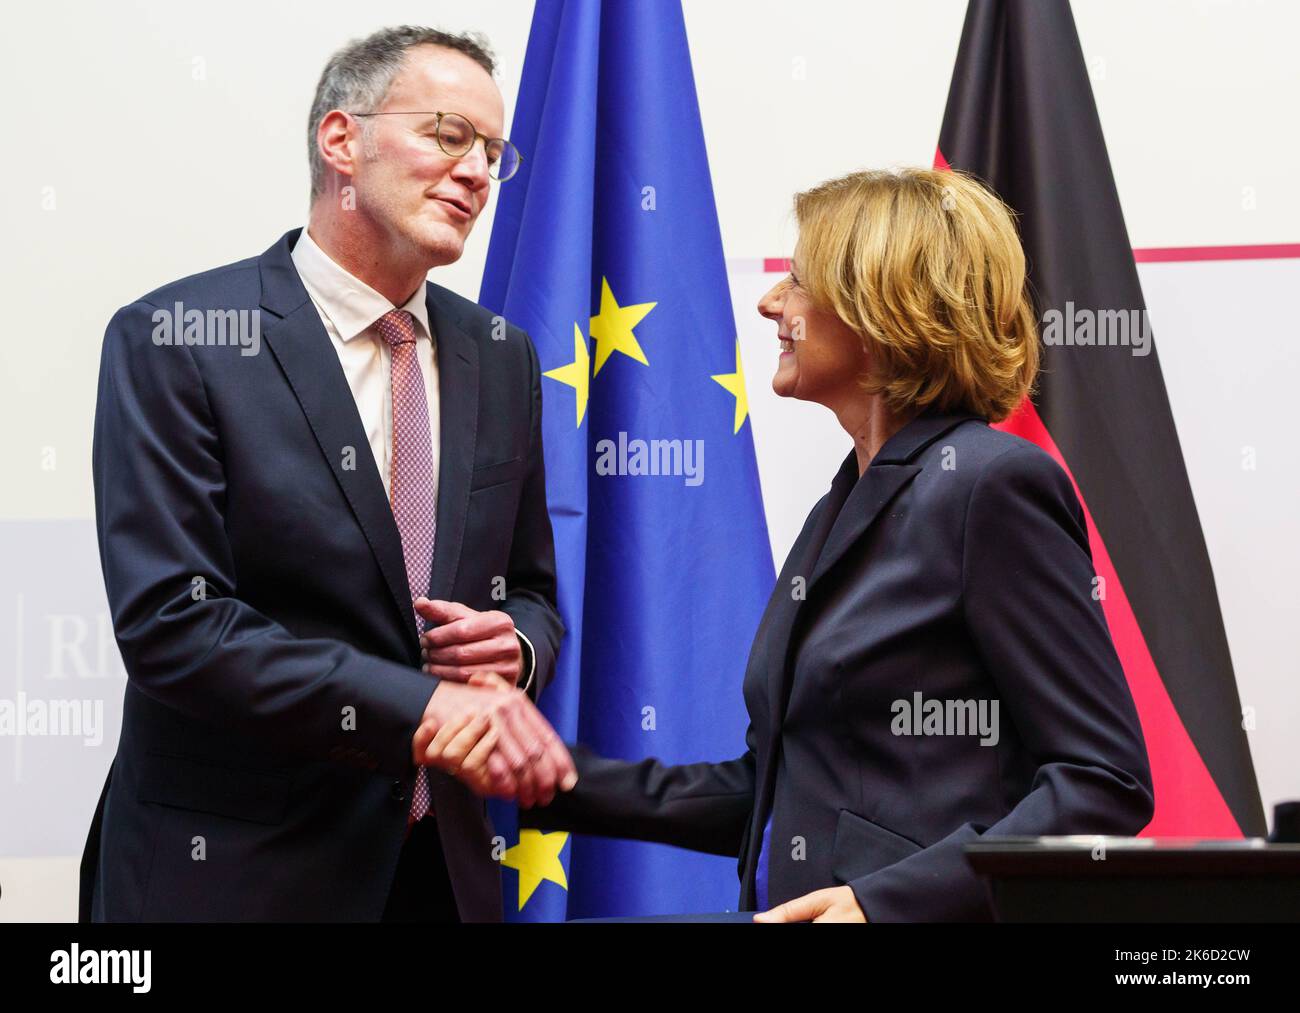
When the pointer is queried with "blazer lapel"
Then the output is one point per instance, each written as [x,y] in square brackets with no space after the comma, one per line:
[879,484]
[458,377]
[777,629]
[302,347]
[457,435]
[801,565]
[890,470]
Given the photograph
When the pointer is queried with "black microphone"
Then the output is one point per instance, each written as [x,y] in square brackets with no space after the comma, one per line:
[1286,823]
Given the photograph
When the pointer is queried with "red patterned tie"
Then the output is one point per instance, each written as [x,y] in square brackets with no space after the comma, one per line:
[411,492]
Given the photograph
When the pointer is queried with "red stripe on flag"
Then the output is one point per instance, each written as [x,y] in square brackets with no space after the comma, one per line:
[1188,802]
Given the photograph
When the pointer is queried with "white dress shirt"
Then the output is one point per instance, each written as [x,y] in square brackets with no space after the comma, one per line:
[349,308]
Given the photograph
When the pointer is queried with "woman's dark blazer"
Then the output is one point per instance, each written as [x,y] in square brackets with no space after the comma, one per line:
[957,568]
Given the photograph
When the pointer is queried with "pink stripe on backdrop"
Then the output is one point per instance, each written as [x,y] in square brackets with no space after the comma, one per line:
[1148,255]
[1167,254]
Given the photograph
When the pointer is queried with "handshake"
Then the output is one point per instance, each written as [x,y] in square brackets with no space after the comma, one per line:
[477,726]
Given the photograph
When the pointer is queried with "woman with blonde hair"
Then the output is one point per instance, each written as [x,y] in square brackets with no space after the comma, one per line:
[933,665]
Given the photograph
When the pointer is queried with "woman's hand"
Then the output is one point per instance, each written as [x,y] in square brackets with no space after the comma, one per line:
[836,904]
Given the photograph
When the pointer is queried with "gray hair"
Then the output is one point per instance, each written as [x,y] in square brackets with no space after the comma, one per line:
[358,76]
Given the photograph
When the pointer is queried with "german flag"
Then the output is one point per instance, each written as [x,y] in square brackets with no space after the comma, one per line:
[1021,117]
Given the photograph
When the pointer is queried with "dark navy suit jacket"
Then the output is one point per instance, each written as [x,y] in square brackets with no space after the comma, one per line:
[956,567]
[259,597]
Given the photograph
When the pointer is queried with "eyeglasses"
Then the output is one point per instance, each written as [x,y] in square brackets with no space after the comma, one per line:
[456,136]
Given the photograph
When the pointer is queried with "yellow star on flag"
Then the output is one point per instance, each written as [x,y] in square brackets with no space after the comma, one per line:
[611,329]
[576,374]
[735,383]
[537,857]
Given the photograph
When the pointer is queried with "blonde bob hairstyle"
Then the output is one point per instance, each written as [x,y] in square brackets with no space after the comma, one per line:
[927,267]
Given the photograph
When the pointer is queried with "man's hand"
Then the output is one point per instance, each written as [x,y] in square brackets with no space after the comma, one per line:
[524,759]
[836,904]
[463,642]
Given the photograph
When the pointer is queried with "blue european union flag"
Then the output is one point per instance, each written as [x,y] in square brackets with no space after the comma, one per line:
[606,250]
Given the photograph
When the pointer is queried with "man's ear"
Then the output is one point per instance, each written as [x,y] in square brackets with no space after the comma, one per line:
[339,140]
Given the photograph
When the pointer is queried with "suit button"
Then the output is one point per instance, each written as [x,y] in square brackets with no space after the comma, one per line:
[398,792]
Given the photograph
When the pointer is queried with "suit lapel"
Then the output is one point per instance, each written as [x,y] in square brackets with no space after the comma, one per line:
[878,485]
[800,565]
[302,347]
[458,376]
[835,533]
[458,379]
[777,628]
[849,511]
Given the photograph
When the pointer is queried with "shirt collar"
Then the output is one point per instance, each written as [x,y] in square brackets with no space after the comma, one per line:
[351,305]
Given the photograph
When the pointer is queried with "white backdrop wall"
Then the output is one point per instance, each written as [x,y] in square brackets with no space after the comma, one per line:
[150,139]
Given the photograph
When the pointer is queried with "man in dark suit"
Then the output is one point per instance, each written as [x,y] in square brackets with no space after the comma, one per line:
[302,461]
